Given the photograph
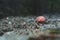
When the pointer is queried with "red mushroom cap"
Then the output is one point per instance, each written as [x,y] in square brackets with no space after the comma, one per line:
[40,19]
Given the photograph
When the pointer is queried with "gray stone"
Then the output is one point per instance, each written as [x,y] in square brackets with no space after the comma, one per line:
[47,26]
[53,26]
[58,25]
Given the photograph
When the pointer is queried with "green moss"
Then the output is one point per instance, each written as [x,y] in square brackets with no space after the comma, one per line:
[57,31]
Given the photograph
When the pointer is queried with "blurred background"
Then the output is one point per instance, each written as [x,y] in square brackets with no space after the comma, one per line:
[28,7]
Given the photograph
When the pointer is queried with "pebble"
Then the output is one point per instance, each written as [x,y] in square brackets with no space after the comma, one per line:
[47,26]
[10,22]
[58,24]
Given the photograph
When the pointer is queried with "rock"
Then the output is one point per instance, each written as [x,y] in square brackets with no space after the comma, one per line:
[47,26]
[58,25]
[53,26]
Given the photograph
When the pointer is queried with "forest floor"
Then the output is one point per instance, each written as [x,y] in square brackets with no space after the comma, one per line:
[20,28]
